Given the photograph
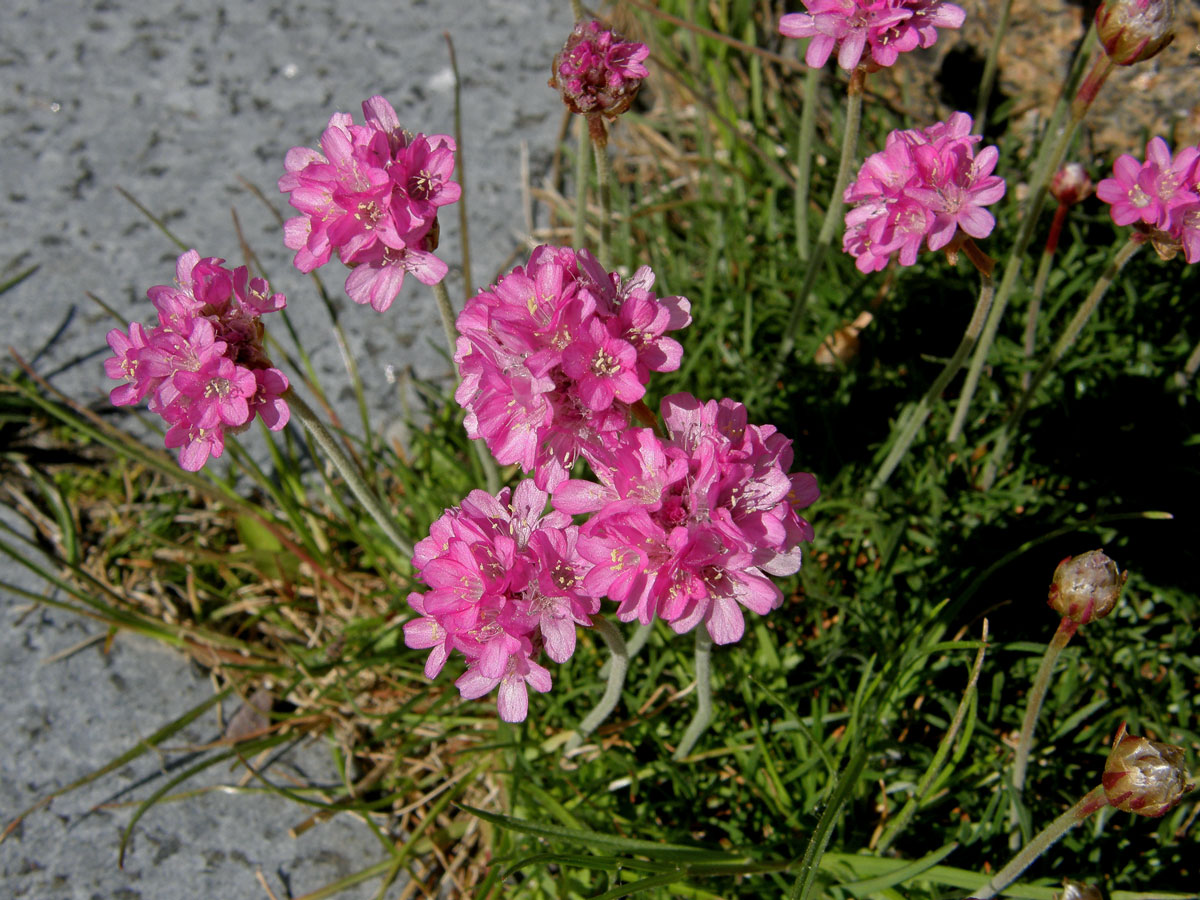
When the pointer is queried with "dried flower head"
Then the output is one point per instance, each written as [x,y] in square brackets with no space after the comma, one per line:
[1086,587]
[597,71]
[1135,30]
[1077,890]
[1145,777]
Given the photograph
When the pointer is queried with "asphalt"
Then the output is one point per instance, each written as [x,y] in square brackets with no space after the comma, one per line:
[177,103]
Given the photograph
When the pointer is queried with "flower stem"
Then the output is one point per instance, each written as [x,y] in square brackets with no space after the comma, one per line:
[579,234]
[371,503]
[599,135]
[619,665]
[909,425]
[989,66]
[833,215]
[1065,340]
[1037,695]
[1039,287]
[703,717]
[804,153]
[1092,801]
[1049,159]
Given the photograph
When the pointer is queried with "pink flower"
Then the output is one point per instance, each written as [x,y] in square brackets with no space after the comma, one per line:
[885,28]
[506,581]
[203,366]
[371,194]
[1160,197]
[925,185]
[597,72]
[554,353]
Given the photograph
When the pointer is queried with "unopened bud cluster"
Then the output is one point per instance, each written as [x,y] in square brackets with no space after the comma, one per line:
[1086,587]
[1135,30]
[1145,777]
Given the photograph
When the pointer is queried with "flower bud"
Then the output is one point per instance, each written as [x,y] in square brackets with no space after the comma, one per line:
[1071,184]
[1135,30]
[1145,777]
[1077,890]
[597,71]
[1086,587]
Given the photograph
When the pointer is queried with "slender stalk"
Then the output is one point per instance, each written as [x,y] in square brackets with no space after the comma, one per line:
[619,665]
[1184,377]
[361,490]
[804,154]
[633,646]
[989,67]
[577,10]
[1039,287]
[1092,801]
[1065,340]
[1047,164]
[599,135]
[1037,695]
[703,717]
[909,425]
[460,158]
[579,235]
[833,215]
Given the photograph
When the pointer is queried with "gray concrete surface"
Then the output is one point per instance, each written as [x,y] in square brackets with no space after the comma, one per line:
[173,101]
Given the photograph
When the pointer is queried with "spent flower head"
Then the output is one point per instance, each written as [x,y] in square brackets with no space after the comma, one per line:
[597,71]
[924,186]
[203,366]
[882,29]
[371,194]
[1086,587]
[1145,777]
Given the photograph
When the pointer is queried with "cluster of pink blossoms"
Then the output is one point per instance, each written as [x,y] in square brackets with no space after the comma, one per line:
[886,28]
[372,194]
[506,582]
[924,185]
[597,72]
[203,366]
[687,529]
[553,355]
[1160,197]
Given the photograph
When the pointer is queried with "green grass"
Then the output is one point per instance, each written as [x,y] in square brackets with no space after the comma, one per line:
[832,709]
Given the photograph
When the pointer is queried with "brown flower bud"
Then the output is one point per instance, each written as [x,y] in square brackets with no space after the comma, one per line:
[1086,587]
[1071,184]
[1077,890]
[1135,30]
[1145,777]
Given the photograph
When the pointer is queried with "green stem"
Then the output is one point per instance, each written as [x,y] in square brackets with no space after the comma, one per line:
[1046,165]
[1065,340]
[989,67]
[1037,695]
[1035,308]
[804,154]
[833,216]
[579,235]
[703,717]
[370,502]
[598,133]
[910,425]
[612,690]
[1091,802]
[460,159]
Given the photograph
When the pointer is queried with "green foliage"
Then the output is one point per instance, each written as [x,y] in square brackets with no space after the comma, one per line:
[833,709]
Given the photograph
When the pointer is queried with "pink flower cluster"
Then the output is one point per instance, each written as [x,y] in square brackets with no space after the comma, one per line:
[597,72]
[203,366]
[372,194]
[505,583]
[687,529]
[1160,197]
[885,28]
[553,355]
[924,185]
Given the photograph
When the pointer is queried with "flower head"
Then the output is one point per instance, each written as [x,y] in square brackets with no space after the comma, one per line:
[597,71]
[371,194]
[926,185]
[1086,587]
[554,353]
[203,366]
[882,29]
[1160,198]
[1135,30]
[1145,777]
